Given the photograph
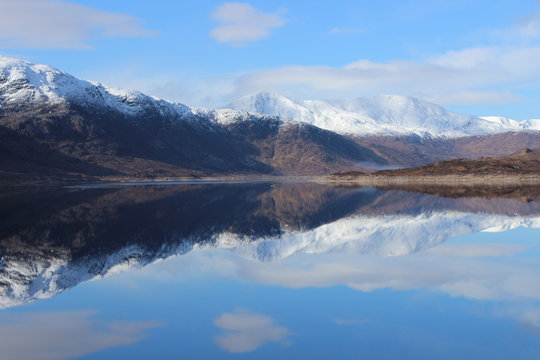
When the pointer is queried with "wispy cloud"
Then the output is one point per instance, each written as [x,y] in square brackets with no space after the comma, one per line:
[61,25]
[243,23]
[247,331]
[481,75]
[64,335]
[466,77]
[470,73]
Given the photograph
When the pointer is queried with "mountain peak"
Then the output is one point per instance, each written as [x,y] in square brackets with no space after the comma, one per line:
[24,83]
[263,103]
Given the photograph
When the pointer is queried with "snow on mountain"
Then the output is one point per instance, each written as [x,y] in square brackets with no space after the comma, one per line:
[503,121]
[229,116]
[377,115]
[531,124]
[23,83]
[47,275]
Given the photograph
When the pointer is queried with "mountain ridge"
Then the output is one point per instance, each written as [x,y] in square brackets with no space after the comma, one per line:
[381,115]
[55,125]
[128,133]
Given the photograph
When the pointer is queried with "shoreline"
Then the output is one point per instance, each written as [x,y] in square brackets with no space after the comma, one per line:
[440,180]
[458,180]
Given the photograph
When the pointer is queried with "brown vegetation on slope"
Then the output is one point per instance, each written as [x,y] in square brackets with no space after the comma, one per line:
[526,161]
[417,151]
[520,168]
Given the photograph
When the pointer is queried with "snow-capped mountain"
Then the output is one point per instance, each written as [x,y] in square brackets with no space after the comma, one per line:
[23,83]
[94,129]
[379,115]
[55,124]
[135,134]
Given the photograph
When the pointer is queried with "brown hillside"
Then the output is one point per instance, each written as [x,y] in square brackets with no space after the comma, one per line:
[526,161]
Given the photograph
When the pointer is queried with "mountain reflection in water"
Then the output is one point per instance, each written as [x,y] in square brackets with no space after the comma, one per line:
[52,240]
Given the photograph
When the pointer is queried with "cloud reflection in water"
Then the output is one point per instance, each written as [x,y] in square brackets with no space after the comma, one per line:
[246,331]
[64,334]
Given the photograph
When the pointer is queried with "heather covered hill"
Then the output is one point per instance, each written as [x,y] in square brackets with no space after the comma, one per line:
[522,163]
[526,161]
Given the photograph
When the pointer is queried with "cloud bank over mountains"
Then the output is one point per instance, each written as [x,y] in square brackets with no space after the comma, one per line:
[492,66]
[478,75]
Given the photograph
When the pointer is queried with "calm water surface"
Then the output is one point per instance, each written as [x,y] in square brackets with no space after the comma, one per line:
[269,271]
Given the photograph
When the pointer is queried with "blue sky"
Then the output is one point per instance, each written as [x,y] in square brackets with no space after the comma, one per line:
[479,57]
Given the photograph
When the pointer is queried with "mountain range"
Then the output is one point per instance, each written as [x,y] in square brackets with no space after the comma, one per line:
[383,115]
[54,125]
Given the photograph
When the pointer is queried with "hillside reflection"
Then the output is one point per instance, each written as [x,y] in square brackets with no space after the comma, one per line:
[51,240]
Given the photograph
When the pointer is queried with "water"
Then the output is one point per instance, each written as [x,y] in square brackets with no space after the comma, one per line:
[266,271]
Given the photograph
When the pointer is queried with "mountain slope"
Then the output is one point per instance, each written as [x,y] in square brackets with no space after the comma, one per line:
[414,150]
[524,162]
[378,115]
[109,131]
[55,125]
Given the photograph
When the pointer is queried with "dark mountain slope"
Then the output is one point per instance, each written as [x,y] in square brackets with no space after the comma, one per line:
[53,124]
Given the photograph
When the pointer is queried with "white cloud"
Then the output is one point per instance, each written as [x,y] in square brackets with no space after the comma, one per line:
[247,331]
[466,76]
[482,75]
[63,335]
[60,24]
[472,76]
[243,23]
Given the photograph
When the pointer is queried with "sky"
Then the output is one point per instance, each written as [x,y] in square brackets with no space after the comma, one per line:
[478,57]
